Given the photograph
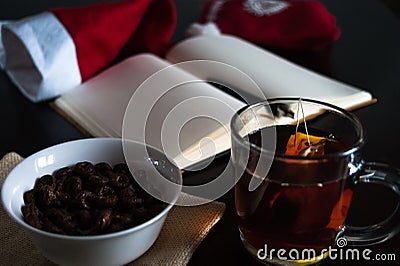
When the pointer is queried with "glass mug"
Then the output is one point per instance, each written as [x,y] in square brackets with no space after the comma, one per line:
[292,197]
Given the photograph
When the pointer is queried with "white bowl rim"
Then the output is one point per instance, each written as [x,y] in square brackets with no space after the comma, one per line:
[89,237]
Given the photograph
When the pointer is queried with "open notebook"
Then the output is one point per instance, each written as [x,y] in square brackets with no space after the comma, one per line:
[115,103]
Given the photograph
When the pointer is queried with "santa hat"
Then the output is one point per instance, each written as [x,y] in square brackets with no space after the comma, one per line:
[49,53]
[294,25]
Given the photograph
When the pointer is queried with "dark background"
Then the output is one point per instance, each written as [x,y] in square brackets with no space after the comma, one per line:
[394,5]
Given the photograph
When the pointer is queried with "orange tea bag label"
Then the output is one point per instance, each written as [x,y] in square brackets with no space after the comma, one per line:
[298,144]
[340,210]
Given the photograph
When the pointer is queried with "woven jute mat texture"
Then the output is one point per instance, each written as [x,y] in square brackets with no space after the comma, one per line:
[183,231]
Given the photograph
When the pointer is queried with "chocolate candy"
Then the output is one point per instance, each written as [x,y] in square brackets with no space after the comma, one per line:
[87,199]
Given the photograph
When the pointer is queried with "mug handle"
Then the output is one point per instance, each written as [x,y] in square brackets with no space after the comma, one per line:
[380,174]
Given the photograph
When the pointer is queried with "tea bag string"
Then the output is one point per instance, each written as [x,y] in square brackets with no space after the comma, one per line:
[300,105]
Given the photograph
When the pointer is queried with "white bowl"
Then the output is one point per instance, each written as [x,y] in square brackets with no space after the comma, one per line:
[109,249]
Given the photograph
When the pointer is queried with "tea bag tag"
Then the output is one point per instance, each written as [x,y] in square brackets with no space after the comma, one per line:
[304,144]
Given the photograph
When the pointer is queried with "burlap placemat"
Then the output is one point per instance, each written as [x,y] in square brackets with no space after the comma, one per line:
[184,229]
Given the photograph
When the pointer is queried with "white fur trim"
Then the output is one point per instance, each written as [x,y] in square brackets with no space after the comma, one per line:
[40,56]
[209,28]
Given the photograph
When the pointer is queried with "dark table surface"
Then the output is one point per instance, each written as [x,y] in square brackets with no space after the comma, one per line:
[367,55]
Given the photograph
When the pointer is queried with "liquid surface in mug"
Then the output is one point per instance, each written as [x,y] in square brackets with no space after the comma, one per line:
[299,205]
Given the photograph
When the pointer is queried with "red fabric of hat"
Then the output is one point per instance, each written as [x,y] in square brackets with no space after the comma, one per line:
[105,31]
[295,25]
[52,52]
